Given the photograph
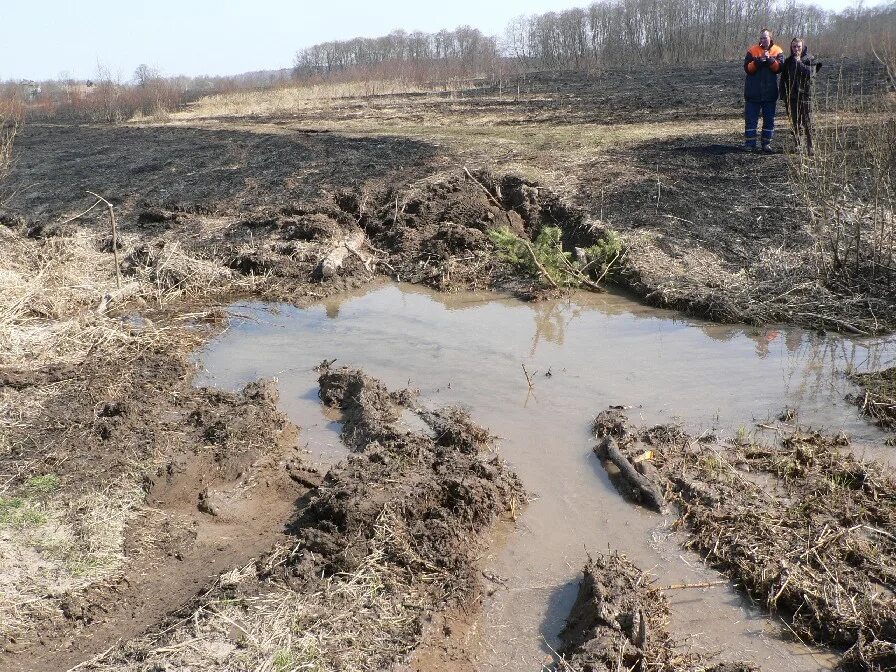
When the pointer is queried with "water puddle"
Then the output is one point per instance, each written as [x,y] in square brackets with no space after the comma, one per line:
[582,355]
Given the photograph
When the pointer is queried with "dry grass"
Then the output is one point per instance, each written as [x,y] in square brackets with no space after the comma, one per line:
[11,116]
[52,545]
[287,100]
[58,537]
[359,621]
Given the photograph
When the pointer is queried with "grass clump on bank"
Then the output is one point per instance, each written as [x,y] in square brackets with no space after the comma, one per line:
[879,398]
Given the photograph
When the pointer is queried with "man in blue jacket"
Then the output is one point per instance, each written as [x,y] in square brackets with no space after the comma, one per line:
[762,64]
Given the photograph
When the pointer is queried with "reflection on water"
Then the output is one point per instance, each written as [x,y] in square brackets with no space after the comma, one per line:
[583,354]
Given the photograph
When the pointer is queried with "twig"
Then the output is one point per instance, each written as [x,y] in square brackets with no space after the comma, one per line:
[702,584]
[97,658]
[528,377]
[100,199]
[481,186]
[78,216]
[840,323]
[538,265]
[607,269]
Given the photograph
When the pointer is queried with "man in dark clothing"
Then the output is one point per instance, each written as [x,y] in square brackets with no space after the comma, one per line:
[762,64]
[796,91]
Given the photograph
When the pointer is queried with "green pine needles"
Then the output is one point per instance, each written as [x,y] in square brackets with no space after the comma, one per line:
[546,259]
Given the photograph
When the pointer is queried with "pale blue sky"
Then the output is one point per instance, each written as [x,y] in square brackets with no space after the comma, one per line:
[45,38]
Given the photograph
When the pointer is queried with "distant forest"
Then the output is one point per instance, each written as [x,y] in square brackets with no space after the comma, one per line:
[607,33]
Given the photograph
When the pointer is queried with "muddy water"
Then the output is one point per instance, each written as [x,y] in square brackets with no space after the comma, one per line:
[583,355]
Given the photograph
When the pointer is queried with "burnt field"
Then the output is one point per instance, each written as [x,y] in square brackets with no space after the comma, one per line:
[149,524]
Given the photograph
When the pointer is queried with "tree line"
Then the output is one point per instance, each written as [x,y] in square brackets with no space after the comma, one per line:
[611,33]
[464,49]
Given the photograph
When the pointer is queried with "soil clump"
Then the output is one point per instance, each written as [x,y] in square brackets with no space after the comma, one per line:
[618,622]
[806,528]
[388,537]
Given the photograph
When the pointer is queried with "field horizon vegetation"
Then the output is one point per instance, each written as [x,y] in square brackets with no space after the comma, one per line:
[147,524]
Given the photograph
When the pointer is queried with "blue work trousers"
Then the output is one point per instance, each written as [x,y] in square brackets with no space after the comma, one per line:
[751,121]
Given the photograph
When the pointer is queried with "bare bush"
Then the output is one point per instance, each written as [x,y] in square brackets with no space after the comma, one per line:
[849,193]
[11,116]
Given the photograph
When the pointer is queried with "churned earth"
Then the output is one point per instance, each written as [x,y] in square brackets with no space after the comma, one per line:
[135,507]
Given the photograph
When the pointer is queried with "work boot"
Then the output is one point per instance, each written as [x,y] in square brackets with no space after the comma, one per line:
[767,149]
[750,146]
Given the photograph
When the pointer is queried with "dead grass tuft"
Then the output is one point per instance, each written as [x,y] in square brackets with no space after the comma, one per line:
[879,399]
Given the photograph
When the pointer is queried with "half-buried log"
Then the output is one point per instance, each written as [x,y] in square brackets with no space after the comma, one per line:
[642,488]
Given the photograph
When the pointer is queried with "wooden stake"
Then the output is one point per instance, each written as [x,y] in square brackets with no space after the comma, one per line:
[100,199]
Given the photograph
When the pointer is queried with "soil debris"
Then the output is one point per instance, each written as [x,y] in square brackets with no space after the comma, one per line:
[389,537]
[807,529]
[879,399]
[618,622]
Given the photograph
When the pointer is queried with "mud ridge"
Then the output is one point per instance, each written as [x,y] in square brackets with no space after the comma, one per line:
[807,529]
[388,539]
[618,622]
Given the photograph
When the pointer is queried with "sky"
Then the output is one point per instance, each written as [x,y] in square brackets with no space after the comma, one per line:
[49,39]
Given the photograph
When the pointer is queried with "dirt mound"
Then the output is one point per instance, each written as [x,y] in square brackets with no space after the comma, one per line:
[389,537]
[619,622]
[807,529]
[437,233]
[438,490]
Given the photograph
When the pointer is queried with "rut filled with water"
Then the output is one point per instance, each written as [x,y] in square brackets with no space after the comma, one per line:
[536,375]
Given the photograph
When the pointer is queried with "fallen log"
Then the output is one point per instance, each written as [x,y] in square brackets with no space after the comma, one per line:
[642,488]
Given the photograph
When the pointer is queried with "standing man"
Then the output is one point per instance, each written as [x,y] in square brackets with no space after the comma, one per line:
[762,64]
[796,91]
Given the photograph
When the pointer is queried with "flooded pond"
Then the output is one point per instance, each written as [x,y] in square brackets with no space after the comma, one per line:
[583,354]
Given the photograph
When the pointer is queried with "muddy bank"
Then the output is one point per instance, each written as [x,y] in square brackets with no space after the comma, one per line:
[209,214]
[717,233]
[389,537]
[803,526]
[127,484]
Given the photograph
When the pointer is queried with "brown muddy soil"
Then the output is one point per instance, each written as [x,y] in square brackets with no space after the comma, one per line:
[388,537]
[804,527]
[212,470]
[215,212]
[618,622]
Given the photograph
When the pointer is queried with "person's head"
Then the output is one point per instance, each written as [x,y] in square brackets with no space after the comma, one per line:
[796,46]
[765,38]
